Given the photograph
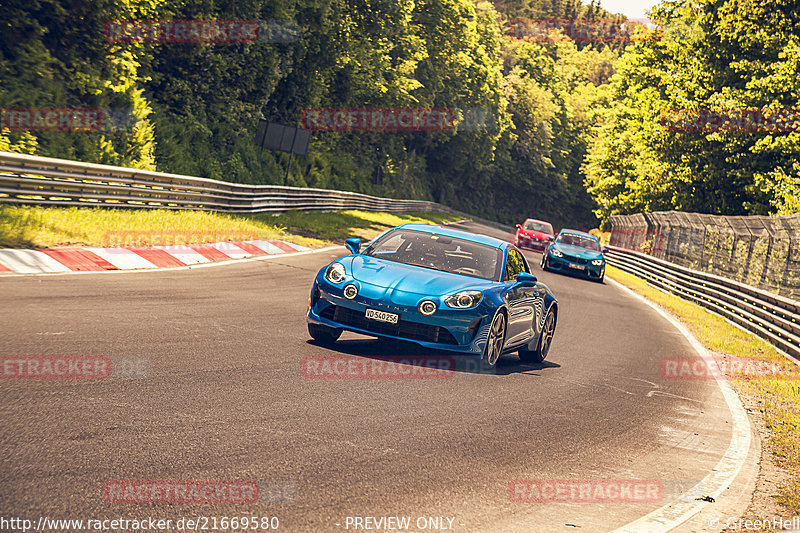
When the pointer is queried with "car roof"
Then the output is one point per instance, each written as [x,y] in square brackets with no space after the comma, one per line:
[577,232]
[539,221]
[450,232]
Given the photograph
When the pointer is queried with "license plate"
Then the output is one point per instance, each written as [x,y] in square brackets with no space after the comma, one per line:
[382,316]
[578,267]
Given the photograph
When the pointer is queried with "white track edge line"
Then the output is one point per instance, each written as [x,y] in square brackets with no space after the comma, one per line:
[727,469]
[165,269]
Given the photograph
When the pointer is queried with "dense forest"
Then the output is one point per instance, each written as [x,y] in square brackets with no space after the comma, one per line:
[737,61]
[569,130]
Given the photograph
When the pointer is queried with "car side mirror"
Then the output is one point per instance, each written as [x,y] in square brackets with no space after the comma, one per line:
[519,227]
[526,278]
[605,249]
[551,238]
[354,245]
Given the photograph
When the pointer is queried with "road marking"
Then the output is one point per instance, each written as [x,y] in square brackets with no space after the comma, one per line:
[231,250]
[79,259]
[30,262]
[723,474]
[158,257]
[139,270]
[184,254]
[122,258]
[268,247]
[662,393]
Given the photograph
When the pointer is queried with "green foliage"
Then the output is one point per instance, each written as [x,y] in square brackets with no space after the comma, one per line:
[54,54]
[47,227]
[195,106]
[709,55]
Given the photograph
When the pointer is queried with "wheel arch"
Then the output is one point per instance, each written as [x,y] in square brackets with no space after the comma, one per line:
[554,308]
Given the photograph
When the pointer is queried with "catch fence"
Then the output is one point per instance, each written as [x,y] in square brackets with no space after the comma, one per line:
[759,251]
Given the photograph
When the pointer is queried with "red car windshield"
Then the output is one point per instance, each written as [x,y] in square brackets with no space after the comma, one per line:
[538,226]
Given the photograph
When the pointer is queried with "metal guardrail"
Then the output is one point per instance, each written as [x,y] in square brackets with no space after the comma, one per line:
[27,179]
[763,251]
[774,318]
[47,181]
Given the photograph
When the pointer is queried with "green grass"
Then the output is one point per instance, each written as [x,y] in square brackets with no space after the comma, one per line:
[50,227]
[778,397]
[340,225]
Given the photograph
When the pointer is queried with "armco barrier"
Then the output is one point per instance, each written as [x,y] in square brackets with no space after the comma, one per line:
[760,251]
[772,317]
[28,179]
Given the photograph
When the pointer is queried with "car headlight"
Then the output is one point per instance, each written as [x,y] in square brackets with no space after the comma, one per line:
[464,299]
[350,291]
[556,252]
[597,262]
[427,307]
[335,273]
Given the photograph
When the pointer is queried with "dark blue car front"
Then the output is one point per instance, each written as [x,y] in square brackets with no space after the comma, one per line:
[575,252]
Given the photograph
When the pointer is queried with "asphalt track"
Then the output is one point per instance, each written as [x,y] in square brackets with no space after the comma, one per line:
[222,397]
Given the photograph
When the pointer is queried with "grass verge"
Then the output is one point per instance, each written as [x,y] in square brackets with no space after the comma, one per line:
[50,227]
[777,394]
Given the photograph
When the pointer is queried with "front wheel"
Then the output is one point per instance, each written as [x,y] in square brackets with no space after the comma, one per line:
[545,266]
[496,340]
[545,339]
[324,334]
[602,276]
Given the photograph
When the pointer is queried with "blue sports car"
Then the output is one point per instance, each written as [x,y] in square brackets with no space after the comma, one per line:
[575,252]
[439,287]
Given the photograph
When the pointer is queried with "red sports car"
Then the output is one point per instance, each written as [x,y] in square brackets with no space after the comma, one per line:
[534,235]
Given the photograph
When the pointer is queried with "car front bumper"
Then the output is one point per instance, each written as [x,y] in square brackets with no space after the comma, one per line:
[531,244]
[462,331]
[566,265]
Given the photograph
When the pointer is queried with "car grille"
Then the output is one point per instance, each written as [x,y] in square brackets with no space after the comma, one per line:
[404,328]
[576,260]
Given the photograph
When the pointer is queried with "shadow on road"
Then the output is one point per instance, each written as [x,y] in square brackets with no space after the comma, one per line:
[411,354]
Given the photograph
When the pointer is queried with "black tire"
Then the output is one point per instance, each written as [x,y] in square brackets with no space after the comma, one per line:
[602,276]
[495,340]
[324,334]
[545,340]
[544,263]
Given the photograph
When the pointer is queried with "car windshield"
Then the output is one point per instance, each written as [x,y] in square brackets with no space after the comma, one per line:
[579,240]
[439,252]
[539,226]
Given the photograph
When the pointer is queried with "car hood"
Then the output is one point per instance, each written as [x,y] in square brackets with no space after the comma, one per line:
[411,279]
[581,253]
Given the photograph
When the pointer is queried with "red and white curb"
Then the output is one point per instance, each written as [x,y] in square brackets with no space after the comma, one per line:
[61,260]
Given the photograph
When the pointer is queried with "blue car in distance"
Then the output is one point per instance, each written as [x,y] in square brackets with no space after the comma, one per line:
[438,287]
[575,252]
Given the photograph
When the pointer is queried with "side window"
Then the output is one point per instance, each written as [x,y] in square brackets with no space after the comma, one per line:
[514,265]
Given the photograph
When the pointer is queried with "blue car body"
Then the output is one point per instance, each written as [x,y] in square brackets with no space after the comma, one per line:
[559,256]
[400,288]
